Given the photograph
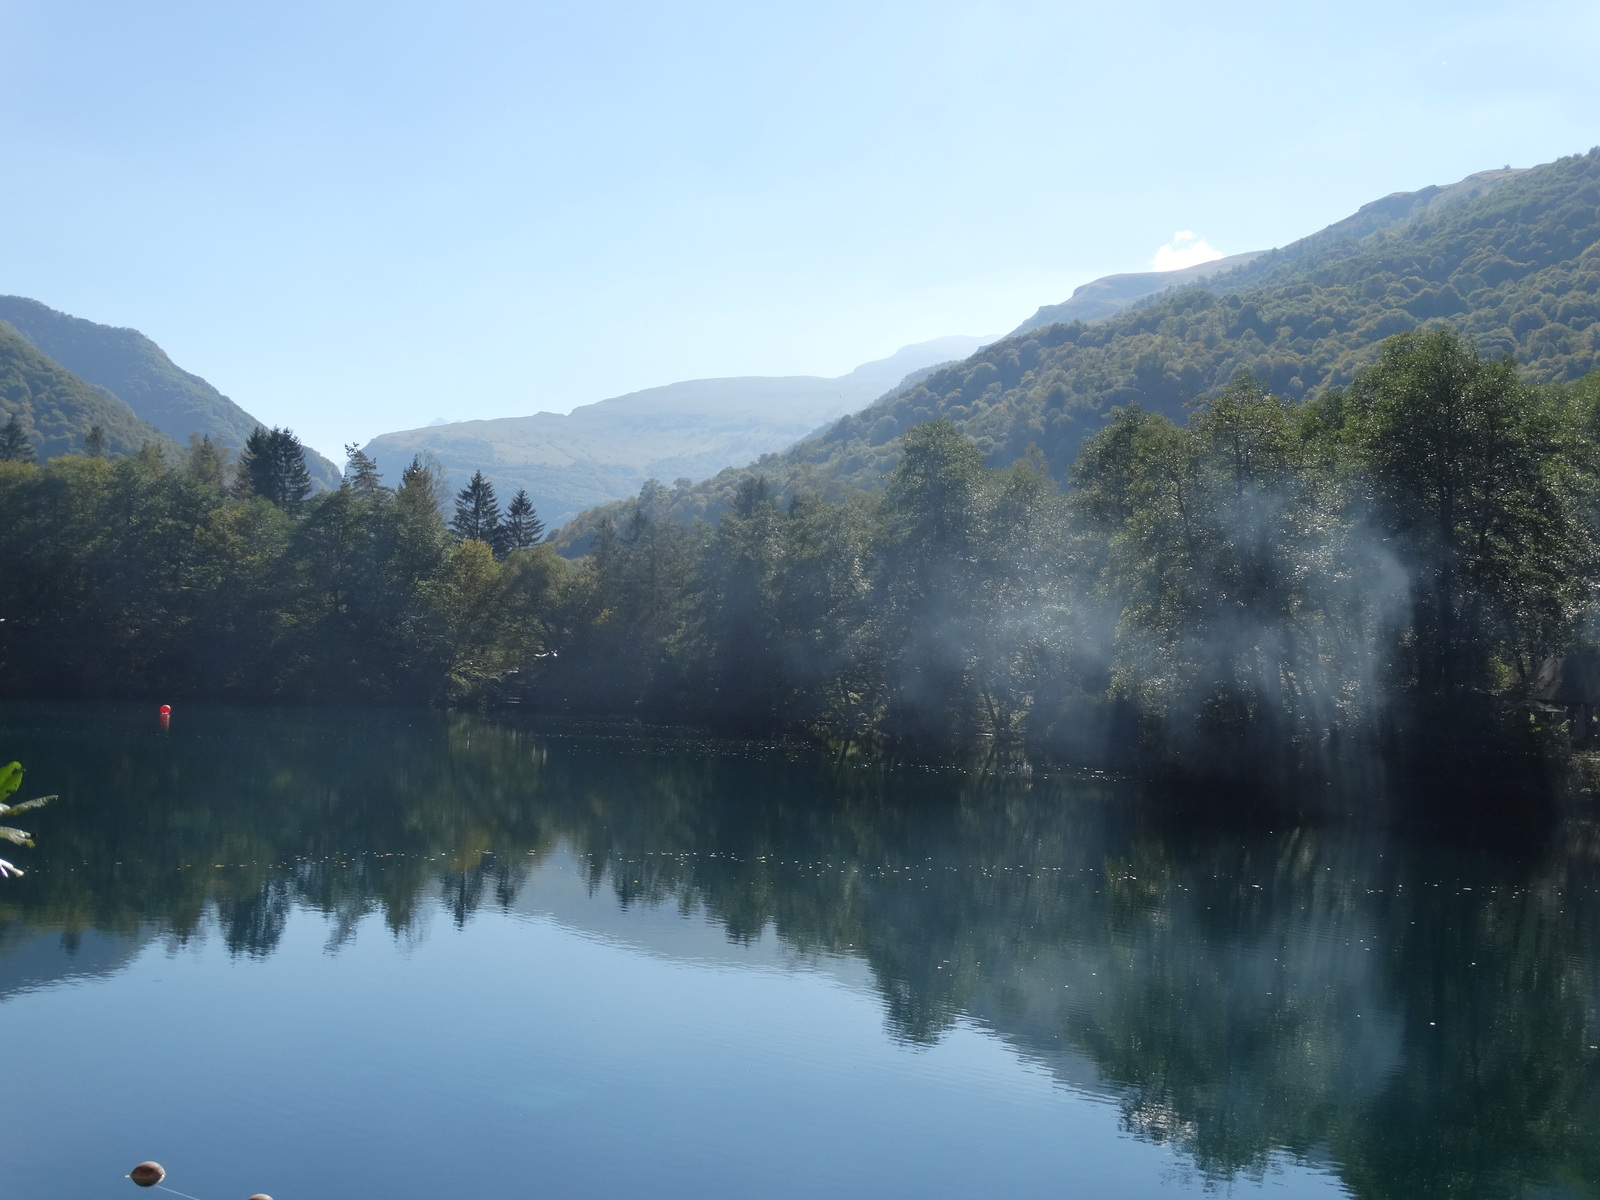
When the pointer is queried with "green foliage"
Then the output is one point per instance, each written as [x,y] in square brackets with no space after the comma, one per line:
[207,462]
[1257,592]
[421,486]
[1253,592]
[1517,268]
[273,466]
[631,606]
[14,443]
[1484,483]
[361,473]
[522,527]
[57,411]
[138,372]
[10,781]
[477,516]
[128,577]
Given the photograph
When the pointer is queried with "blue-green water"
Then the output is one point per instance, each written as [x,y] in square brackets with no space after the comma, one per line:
[337,954]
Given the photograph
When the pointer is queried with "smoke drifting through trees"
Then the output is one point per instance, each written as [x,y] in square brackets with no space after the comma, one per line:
[1260,590]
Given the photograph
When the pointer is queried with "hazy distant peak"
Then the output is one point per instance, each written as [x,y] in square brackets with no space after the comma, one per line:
[694,428]
[921,354]
[1111,294]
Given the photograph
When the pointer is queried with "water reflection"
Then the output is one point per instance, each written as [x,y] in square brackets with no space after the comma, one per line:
[1422,1019]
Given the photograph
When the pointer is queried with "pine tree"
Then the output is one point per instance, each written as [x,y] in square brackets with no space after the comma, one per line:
[273,466]
[420,483]
[522,527]
[361,473]
[206,460]
[255,450]
[94,442]
[14,443]
[477,511]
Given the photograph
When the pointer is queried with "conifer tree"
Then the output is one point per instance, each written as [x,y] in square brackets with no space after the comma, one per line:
[206,460]
[420,485]
[94,442]
[522,527]
[14,443]
[361,474]
[477,511]
[273,466]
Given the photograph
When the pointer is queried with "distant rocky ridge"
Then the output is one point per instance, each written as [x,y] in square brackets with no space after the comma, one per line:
[1111,294]
[606,450]
[1400,208]
[138,372]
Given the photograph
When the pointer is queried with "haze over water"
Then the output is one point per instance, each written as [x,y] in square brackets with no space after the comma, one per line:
[334,953]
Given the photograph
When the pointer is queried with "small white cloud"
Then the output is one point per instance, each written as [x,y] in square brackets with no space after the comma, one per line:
[1186,249]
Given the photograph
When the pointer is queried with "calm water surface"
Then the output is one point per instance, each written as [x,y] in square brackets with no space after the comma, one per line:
[339,954]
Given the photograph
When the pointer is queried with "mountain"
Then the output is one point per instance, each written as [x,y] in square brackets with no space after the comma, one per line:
[606,450]
[1111,294]
[130,365]
[1511,257]
[58,409]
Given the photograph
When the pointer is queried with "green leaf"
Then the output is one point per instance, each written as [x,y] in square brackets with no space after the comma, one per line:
[10,779]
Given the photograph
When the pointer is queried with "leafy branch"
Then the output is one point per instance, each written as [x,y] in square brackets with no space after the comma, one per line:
[10,781]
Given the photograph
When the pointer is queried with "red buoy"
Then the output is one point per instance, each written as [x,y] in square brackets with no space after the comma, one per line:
[148,1174]
[166,710]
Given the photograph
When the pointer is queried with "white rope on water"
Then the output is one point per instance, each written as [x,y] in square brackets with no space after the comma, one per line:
[176,1192]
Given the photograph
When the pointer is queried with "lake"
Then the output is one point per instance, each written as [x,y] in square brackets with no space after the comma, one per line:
[333,953]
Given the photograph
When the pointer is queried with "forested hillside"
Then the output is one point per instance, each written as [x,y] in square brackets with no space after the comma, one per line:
[1515,264]
[57,410]
[1269,588]
[1318,518]
[139,372]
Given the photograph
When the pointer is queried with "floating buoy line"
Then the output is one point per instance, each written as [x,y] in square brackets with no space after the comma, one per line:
[153,1175]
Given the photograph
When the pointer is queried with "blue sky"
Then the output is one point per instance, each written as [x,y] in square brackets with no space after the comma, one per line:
[354,217]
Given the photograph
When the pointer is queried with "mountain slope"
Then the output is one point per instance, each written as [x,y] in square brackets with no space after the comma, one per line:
[138,371]
[1107,296]
[606,450]
[57,409]
[1512,257]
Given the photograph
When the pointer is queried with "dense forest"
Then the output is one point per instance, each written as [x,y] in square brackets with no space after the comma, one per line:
[57,412]
[1259,589]
[1517,267]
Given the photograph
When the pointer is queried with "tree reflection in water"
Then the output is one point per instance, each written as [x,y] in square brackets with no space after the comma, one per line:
[1421,1018]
